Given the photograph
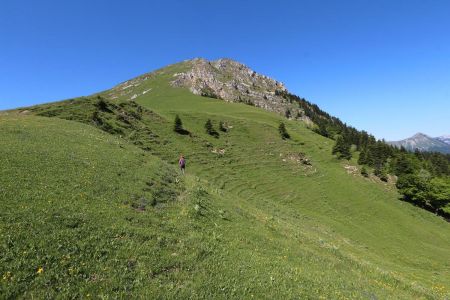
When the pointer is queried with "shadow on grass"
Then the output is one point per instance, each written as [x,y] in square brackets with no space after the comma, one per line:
[438,212]
[183,132]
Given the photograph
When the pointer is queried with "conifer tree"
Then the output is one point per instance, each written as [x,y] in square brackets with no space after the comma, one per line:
[342,149]
[283,132]
[362,160]
[381,172]
[322,129]
[178,125]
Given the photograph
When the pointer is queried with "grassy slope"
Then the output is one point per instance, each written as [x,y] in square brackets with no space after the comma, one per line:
[245,224]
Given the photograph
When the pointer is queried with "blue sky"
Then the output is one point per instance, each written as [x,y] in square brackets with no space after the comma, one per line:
[381,66]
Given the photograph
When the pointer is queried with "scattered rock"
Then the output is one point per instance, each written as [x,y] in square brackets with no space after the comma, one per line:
[351,169]
[298,158]
[218,151]
[146,91]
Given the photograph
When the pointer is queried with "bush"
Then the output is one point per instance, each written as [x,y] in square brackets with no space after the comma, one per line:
[208,92]
[222,127]
[96,118]
[287,113]
[102,105]
[414,189]
[364,172]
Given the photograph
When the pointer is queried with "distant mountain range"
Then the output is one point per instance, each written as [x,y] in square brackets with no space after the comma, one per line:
[445,139]
[424,142]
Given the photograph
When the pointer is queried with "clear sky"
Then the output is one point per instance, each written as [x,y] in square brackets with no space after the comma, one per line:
[382,66]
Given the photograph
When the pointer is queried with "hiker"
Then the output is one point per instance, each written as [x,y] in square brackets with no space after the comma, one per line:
[182,163]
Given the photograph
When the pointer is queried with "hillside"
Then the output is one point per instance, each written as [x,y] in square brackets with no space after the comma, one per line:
[423,142]
[92,204]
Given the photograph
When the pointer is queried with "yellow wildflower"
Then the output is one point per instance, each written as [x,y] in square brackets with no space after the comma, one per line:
[7,276]
[40,270]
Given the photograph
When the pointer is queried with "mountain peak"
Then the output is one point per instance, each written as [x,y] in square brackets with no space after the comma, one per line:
[420,135]
[423,142]
[233,81]
[224,79]
[223,60]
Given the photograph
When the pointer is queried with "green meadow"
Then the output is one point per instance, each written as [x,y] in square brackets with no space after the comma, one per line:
[93,205]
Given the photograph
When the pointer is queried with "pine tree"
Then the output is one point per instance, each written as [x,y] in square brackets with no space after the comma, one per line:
[418,154]
[346,152]
[342,149]
[404,165]
[362,160]
[283,132]
[209,127]
[178,125]
[381,172]
[322,129]
[363,140]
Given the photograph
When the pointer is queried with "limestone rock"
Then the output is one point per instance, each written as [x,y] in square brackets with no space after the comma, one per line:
[232,81]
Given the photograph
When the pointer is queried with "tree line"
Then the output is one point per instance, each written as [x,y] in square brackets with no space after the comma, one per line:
[423,178]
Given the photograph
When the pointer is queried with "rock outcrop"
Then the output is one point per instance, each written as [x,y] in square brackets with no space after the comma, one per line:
[232,81]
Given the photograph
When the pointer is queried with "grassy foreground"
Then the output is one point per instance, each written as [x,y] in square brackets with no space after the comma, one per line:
[89,213]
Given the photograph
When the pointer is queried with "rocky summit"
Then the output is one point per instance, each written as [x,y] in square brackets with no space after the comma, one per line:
[232,81]
[224,79]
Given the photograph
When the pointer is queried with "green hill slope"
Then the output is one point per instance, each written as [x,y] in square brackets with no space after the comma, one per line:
[107,213]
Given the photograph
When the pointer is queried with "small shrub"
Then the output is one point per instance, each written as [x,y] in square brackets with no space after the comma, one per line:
[106,126]
[102,105]
[249,102]
[208,92]
[287,113]
[381,173]
[364,172]
[384,176]
[96,118]
[222,127]
[124,118]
